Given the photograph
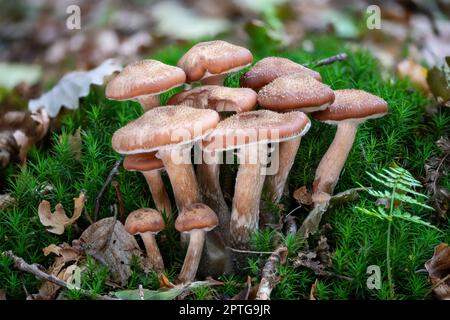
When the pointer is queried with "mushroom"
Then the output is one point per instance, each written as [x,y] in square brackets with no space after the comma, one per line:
[291,92]
[270,68]
[171,131]
[147,223]
[196,220]
[150,166]
[250,133]
[211,61]
[221,99]
[350,108]
[144,81]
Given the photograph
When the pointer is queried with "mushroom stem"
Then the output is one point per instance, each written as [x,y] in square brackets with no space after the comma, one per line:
[215,80]
[247,195]
[330,167]
[153,253]
[149,101]
[274,184]
[158,191]
[193,255]
[209,184]
[177,162]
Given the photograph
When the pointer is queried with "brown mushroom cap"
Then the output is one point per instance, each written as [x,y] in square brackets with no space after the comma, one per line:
[295,92]
[353,104]
[255,127]
[143,78]
[268,69]
[163,126]
[221,99]
[142,162]
[212,58]
[144,220]
[196,216]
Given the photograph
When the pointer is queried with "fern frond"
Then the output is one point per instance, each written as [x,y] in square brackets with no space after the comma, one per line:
[415,219]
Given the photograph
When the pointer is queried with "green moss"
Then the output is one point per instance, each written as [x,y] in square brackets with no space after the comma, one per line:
[406,136]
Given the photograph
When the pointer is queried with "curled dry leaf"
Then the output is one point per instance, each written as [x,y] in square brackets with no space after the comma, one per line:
[317,260]
[58,220]
[438,268]
[108,242]
[313,291]
[303,196]
[415,72]
[64,250]
[71,87]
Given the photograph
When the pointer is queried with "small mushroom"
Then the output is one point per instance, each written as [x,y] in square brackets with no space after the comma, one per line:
[171,131]
[291,92]
[250,133]
[270,68]
[221,99]
[147,223]
[350,108]
[144,81]
[211,61]
[196,220]
[150,166]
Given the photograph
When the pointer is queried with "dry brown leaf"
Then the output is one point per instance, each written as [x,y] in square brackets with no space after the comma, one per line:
[438,268]
[5,201]
[303,196]
[107,241]
[313,291]
[164,282]
[416,73]
[67,252]
[48,290]
[58,220]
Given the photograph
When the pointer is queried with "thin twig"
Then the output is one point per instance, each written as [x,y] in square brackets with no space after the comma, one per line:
[269,278]
[437,284]
[250,252]
[116,186]
[114,172]
[339,57]
[35,269]
[87,216]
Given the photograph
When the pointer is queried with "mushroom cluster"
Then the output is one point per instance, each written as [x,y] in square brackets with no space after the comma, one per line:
[261,123]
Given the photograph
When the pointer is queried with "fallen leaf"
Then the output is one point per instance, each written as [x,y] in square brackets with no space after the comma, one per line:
[48,290]
[67,252]
[313,291]
[164,282]
[107,241]
[58,220]
[71,87]
[6,200]
[438,268]
[303,196]
[417,73]
[439,85]
[317,260]
[19,73]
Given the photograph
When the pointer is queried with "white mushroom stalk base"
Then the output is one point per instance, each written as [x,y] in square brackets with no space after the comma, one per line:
[193,255]
[177,162]
[158,191]
[247,195]
[153,253]
[330,167]
[209,184]
[274,184]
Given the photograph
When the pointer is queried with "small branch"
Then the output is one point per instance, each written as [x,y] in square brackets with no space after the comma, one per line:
[35,269]
[250,252]
[114,172]
[269,278]
[87,216]
[330,60]
[116,186]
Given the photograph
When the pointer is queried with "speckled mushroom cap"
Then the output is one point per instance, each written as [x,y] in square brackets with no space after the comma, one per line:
[268,69]
[295,92]
[144,220]
[164,126]
[261,126]
[196,216]
[221,99]
[142,162]
[146,77]
[357,105]
[212,58]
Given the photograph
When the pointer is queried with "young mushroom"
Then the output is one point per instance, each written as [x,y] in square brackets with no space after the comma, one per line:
[150,166]
[147,223]
[144,81]
[171,131]
[291,92]
[350,108]
[221,99]
[196,220]
[250,133]
[270,68]
[211,61]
